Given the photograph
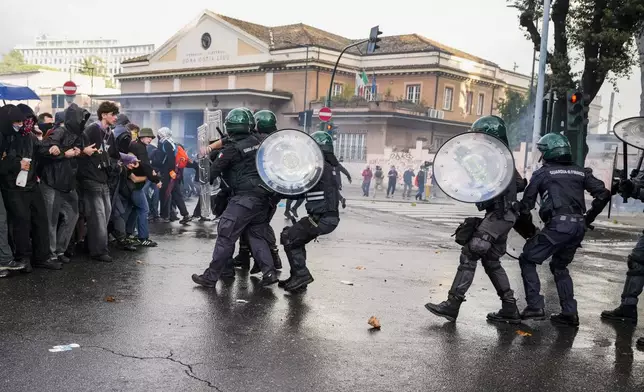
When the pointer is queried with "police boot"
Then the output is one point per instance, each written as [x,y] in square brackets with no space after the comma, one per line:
[623,313]
[565,319]
[269,278]
[282,283]
[533,314]
[277,261]
[640,343]
[242,259]
[447,309]
[301,275]
[509,313]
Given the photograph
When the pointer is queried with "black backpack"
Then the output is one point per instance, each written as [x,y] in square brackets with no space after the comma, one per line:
[123,142]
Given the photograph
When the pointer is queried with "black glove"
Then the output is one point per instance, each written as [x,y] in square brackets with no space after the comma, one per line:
[626,188]
[588,223]
[525,227]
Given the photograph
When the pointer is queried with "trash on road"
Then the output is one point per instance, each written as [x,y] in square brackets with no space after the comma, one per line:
[360,268]
[282,204]
[523,333]
[348,283]
[241,301]
[66,347]
[140,262]
[374,322]
[110,298]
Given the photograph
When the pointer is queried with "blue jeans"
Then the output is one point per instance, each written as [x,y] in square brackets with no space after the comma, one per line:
[365,187]
[153,202]
[137,214]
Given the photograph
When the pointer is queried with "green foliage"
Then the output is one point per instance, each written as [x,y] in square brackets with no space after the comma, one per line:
[517,113]
[13,62]
[598,33]
[109,83]
[93,66]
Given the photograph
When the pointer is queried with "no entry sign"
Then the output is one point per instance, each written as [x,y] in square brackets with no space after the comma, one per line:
[325,114]
[69,88]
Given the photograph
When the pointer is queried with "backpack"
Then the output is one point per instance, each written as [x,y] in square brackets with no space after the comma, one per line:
[181,158]
[156,158]
[123,142]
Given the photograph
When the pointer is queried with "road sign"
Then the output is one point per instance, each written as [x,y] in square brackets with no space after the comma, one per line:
[69,88]
[325,114]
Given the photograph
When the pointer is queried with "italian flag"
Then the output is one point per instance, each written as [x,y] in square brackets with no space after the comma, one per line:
[361,83]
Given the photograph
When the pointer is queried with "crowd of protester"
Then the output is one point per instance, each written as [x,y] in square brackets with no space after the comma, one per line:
[72,186]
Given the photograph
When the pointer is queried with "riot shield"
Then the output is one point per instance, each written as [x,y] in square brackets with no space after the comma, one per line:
[631,131]
[203,140]
[615,179]
[473,167]
[289,162]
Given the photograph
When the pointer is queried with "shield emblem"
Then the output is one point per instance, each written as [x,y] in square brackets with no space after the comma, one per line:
[289,162]
[473,167]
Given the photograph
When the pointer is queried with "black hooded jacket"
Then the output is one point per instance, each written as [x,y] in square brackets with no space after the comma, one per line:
[58,171]
[95,169]
[15,146]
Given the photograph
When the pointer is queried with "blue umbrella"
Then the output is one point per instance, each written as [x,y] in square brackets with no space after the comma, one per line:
[11,92]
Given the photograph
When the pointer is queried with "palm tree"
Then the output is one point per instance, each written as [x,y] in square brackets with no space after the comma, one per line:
[92,65]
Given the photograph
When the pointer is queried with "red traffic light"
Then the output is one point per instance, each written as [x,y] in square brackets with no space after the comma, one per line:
[574,98]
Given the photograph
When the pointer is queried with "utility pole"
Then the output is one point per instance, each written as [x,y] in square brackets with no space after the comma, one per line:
[306,83]
[543,55]
[610,113]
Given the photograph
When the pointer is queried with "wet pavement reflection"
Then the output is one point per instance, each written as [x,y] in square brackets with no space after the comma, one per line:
[163,333]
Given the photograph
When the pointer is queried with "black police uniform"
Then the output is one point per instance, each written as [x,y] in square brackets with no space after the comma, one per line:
[247,209]
[561,187]
[487,243]
[634,283]
[323,218]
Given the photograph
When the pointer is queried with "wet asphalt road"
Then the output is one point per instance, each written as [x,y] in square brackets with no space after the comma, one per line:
[162,333]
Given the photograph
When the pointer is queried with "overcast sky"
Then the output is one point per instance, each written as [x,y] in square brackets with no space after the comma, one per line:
[486,28]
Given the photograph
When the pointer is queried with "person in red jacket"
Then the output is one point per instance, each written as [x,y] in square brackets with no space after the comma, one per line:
[367,175]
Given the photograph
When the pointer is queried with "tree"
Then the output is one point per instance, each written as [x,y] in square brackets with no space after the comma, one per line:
[15,62]
[516,111]
[598,32]
[93,66]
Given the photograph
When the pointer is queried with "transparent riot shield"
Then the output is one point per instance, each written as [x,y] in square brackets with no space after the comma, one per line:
[203,140]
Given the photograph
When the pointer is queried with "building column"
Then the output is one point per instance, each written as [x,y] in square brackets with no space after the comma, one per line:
[177,124]
[155,119]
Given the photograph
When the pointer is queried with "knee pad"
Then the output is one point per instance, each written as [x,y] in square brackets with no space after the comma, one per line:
[479,246]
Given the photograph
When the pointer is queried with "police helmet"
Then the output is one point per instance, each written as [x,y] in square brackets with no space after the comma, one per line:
[239,121]
[252,119]
[324,140]
[265,121]
[554,146]
[492,125]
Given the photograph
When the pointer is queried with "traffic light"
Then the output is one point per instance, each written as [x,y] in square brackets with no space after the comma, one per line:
[575,116]
[373,39]
[328,127]
[586,109]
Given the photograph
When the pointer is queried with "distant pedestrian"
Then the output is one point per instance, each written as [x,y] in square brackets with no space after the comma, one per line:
[408,177]
[367,175]
[393,177]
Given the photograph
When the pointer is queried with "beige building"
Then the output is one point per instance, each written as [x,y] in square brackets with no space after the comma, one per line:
[417,89]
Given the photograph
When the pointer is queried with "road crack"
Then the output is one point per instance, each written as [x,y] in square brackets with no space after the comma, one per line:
[188,367]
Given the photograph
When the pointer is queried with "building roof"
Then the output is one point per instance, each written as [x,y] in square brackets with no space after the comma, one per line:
[297,35]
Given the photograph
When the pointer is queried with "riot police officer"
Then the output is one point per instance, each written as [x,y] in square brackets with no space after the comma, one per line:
[560,184]
[248,207]
[323,217]
[486,241]
[265,124]
[627,310]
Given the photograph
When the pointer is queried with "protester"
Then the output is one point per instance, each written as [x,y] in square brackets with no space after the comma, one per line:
[58,183]
[393,177]
[95,165]
[171,178]
[23,198]
[138,212]
[408,176]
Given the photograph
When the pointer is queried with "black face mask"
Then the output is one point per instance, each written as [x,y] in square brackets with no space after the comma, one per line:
[45,127]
